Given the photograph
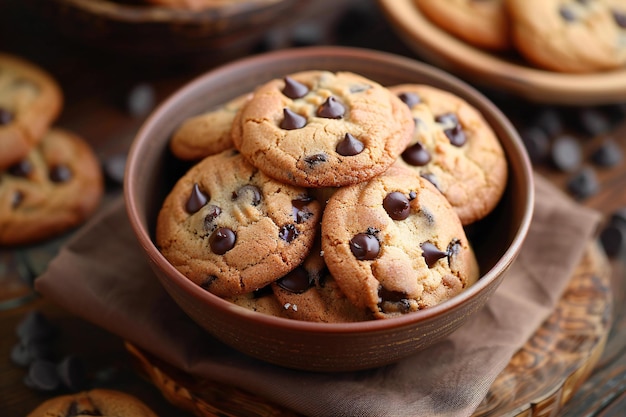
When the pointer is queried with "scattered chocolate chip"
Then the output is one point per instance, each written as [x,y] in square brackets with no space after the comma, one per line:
[208,281]
[620,18]
[350,146]
[141,100]
[432,254]
[410,99]
[537,143]
[566,153]
[300,209]
[454,247]
[393,301]
[35,327]
[222,240]
[42,376]
[292,120]
[251,190]
[288,233]
[114,168]
[6,116]
[397,205]
[197,199]
[584,183]
[262,292]
[412,195]
[608,154]
[416,155]
[592,122]
[60,174]
[431,178]
[365,246]
[331,109]
[452,128]
[75,409]
[549,120]
[567,14]
[71,371]
[297,281]
[316,159]
[16,198]
[25,352]
[294,89]
[212,212]
[21,169]
[613,239]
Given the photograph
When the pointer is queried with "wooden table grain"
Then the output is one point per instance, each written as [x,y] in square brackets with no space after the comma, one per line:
[96,85]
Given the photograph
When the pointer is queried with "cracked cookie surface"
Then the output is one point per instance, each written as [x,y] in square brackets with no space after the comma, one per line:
[394,244]
[322,129]
[454,147]
[232,229]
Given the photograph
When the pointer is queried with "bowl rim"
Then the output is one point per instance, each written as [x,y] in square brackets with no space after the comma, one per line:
[226,307]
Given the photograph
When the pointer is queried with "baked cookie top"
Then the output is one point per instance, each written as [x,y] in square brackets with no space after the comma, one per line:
[454,147]
[394,244]
[208,133]
[30,99]
[322,129]
[57,186]
[576,36]
[482,23]
[232,229]
[97,402]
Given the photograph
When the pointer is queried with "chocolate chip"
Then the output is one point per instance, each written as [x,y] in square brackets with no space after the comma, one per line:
[76,410]
[454,247]
[300,209]
[608,154]
[21,169]
[393,301]
[222,240]
[252,190]
[591,121]
[350,146]
[25,352]
[114,168]
[316,159]
[397,205]
[207,282]
[297,281]
[432,254]
[549,120]
[197,199]
[212,213]
[431,178]
[16,198]
[6,116]
[42,376]
[292,120]
[416,155]
[60,173]
[566,153]
[620,18]
[452,128]
[365,246]
[619,216]
[567,14]
[71,371]
[537,143]
[584,183]
[331,109]
[410,99]
[288,233]
[141,100]
[294,89]
[35,327]
[613,239]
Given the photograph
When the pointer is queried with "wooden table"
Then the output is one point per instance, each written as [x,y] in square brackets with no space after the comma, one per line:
[96,85]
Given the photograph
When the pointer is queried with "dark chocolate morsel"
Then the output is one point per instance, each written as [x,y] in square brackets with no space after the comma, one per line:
[288,233]
[222,240]
[252,190]
[619,216]
[5,116]
[549,120]
[331,109]
[25,352]
[566,153]
[365,246]
[206,284]
[294,89]
[292,120]
[76,409]
[453,129]
[620,18]
[72,373]
[42,376]
[60,173]
[410,99]
[35,327]
[412,195]
[567,14]
[16,198]
[393,301]
[432,254]
[296,281]
[114,168]
[316,159]
[608,154]
[613,239]
[197,199]
[537,143]
[212,212]
[454,247]
[350,146]
[584,183]
[300,209]
[431,178]
[21,169]
[141,100]
[591,121]
[397,205]
[416,155]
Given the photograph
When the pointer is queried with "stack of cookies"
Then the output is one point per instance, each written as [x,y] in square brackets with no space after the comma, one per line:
[328,197]
[50,179]
[573,36]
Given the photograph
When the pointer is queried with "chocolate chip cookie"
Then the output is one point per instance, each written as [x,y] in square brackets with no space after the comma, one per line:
[56,187]
[482,23]
[322,129]
[394,244]
[574,36]
[30,99]
[454,147]
[207,133]
[232,229]
[97,402]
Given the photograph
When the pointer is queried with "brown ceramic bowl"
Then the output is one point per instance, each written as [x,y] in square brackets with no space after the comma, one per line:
[151,172]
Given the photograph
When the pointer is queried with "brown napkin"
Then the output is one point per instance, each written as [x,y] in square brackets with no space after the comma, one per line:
[103,277]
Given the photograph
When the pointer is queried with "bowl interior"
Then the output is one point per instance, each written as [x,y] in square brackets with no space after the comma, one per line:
[152,170]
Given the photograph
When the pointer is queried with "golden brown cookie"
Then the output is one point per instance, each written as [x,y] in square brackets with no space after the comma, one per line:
[232,229]
[97,402]
[482,23]
[30,100]
[455,148]
[56,187]
[207,133]
[574,36]
[395,245]
[322,129]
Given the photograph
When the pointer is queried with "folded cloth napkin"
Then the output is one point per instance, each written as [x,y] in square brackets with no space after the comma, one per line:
[102,276]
